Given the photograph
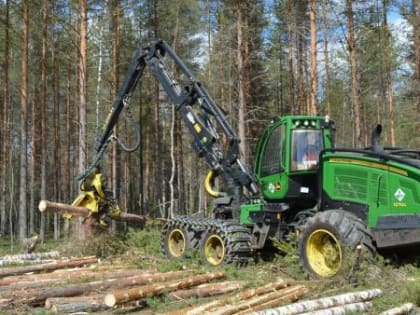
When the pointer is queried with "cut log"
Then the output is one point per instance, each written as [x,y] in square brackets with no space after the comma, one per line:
[76,307]
[60,305]
[30,256]
[207,289]
[69,263]
[5,302]
[342,309]
[50,302]
[403,309]
[4,263]
[54,279]
[269,287]
[84,304]
[201,309]
[324,303]
[276,302]
[130,217]
[35,297]
[123,296]
[61,208]
[69,274]
[285,295]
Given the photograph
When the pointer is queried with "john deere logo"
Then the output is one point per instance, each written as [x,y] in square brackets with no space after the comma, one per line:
[399,194]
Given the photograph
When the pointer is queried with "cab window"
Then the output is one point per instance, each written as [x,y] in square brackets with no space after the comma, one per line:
[273,157]
[306,145]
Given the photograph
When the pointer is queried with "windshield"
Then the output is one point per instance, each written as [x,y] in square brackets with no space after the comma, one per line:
[306,145]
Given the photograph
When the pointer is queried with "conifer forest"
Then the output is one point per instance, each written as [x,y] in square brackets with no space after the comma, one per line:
[62,63]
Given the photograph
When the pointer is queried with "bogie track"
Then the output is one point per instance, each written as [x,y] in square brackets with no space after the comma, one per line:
[219,241]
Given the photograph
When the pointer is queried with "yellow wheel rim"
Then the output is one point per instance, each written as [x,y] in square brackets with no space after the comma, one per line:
[214,250]
[176,243]
[324,253]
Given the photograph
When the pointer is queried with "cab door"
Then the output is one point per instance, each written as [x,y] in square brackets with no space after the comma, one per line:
[272,164]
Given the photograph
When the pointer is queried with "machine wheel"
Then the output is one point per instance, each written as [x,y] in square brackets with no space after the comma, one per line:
[174,241]
[226,242]
[327,240]
[213,249]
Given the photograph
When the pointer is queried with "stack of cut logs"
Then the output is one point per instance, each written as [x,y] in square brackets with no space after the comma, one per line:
[87,285]
[70,285]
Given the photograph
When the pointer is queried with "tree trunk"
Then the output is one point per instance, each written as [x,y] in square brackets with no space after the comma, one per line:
[44,137]
[388,64]
[241,60]
[33,163]
[157,180]
[326,59]
[301,62]
[82,96]
[354,72]
[67,173]
[415,12]
[175,128]
[56,128]
[116,163]
[314,68]
[5,124]
[290,56]
[23,125]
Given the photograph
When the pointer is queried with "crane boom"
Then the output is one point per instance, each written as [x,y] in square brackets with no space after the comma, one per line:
[199,112]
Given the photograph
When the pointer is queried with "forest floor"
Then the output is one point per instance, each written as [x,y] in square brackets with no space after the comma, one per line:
[139,251]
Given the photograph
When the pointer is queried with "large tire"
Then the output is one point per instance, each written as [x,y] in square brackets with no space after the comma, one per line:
[226,242]
[327,241]
[174,241]
[181,236]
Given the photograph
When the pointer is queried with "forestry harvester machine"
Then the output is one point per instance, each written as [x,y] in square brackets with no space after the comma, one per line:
[333,200]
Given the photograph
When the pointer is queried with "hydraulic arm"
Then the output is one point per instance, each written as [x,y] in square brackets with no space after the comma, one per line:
[200,113]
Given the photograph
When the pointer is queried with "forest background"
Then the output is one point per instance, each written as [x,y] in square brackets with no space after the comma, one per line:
[63,61]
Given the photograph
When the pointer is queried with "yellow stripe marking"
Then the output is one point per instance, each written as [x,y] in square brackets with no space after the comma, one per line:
[370,164]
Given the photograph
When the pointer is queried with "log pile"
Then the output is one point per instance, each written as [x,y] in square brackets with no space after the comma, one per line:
[73,285]
[70,286]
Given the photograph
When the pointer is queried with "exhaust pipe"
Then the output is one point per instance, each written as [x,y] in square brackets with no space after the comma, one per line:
[375,138]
